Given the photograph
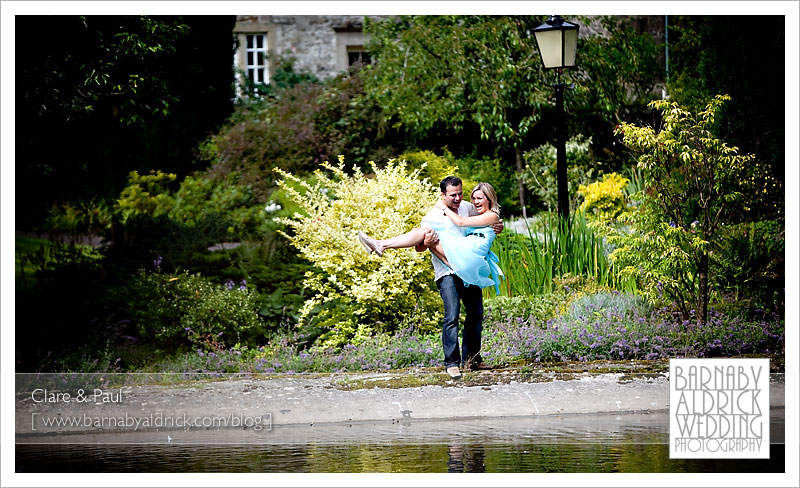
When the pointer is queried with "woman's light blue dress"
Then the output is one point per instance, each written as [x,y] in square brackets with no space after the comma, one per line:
[470,256]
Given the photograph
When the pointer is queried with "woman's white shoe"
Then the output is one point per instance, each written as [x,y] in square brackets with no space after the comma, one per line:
[369,243]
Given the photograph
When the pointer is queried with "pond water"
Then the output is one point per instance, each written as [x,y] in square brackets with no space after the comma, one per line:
[633,443]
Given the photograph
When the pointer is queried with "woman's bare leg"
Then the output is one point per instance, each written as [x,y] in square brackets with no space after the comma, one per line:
[409,239]
[438,250]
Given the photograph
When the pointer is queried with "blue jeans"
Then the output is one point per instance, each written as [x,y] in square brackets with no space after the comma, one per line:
[453,293]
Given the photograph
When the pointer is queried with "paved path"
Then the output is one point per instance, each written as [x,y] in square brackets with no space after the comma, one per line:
[306,400]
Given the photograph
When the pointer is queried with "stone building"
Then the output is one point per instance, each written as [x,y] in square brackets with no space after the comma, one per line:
[322,45]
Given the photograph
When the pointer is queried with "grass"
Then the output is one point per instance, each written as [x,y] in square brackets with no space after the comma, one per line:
[548,248]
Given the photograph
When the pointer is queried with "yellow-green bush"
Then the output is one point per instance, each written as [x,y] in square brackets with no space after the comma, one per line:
[372,293]
[430,164]
[434,167]
[604,199]
[146,194]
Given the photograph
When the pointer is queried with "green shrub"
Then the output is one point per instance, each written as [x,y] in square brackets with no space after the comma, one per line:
[200,198]
[298,127]
[540,178]
[284,76]
[72,218]
[180,226]
[750,264]
[169,308]
[493,171]
[539,307]
[282,134]
[350,122]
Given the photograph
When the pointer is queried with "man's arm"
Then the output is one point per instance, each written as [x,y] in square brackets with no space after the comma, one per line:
[498,227]
[431,238]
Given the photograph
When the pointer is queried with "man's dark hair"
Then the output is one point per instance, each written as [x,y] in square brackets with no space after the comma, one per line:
[449,181]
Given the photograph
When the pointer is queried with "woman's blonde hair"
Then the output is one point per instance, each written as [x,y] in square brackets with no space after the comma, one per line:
[490,195]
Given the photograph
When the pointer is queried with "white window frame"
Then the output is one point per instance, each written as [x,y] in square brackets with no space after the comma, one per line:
[251,57]
[240,56]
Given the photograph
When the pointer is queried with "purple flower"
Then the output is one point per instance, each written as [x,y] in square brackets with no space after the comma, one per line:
[157,261]
[243,285]
[229,284]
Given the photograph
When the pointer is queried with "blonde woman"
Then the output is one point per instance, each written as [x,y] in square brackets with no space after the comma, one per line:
[468,255]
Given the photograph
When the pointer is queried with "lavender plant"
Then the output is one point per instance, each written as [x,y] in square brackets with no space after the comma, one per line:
[613,325]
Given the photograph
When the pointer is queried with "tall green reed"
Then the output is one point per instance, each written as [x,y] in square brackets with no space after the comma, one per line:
[554,248]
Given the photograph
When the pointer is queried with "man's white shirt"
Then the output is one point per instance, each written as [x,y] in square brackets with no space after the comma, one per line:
[436,216]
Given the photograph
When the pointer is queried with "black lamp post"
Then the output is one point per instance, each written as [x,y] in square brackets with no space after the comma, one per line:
[558,41]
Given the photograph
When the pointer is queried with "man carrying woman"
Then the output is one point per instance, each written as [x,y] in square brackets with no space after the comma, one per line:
[459,235]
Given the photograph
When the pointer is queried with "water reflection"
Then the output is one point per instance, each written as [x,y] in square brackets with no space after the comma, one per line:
[465,458]
[580,444]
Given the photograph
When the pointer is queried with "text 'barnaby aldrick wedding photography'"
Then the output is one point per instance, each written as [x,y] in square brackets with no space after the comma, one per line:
[719,408]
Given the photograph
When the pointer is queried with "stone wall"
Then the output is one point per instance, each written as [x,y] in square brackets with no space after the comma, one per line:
[318,43]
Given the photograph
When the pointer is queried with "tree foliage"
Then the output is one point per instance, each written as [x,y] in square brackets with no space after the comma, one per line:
[481,77]
[617,71]
[694,184]
[296,126]
[100,96]
[106,68]
[711,54]
[456,70]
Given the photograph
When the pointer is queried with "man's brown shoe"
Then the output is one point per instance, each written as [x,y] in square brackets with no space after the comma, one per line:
[481,366]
